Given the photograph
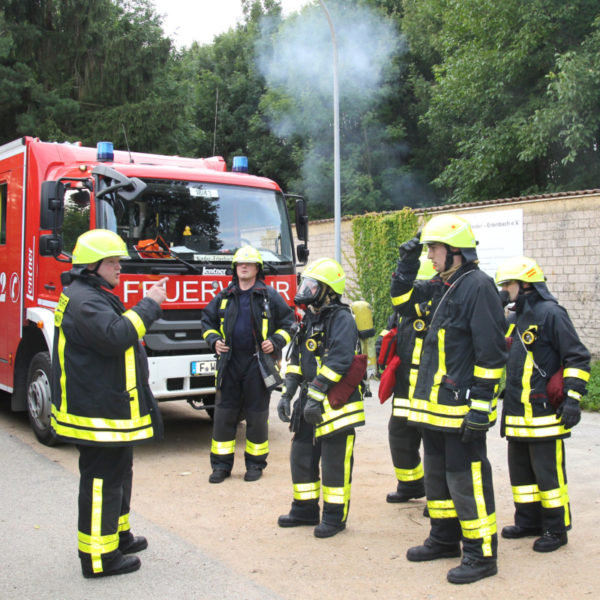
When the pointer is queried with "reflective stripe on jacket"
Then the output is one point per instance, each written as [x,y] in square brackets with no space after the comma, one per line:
[464,350]
[100,392]
[543,340]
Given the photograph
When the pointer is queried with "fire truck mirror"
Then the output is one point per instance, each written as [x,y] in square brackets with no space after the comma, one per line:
[52,206]
[302,253]
[301,220]
[50,245]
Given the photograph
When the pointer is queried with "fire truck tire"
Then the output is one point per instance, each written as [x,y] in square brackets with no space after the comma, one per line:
[39,398]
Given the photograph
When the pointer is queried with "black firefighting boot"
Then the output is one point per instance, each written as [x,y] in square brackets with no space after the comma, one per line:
[118,565]
[550,541]
[405,492]
[325,530]
[512,532]
[431,550]
[303,512]
[130,544]
[472,569]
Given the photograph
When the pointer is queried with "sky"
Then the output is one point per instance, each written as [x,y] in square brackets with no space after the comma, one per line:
[187,21]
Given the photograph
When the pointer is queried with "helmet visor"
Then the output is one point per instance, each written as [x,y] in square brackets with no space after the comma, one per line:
[308,291]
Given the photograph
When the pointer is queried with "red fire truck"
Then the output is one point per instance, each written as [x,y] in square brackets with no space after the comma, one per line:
[180,217]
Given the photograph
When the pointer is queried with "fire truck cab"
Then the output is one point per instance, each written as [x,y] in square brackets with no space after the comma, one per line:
[180,217]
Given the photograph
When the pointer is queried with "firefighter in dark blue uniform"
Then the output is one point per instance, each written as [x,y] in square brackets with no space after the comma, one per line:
[246,318]
[322,353]
[543,345]
[455,394]
[100,397]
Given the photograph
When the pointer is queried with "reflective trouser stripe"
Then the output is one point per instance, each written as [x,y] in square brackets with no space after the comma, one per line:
[341,495]
[484,527]
[124,523]
[97,544]
[410,474]
[525,494]
[441,509]
[257,449]
[307,491]
[222,447]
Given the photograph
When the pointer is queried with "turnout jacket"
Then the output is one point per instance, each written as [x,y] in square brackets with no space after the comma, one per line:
[271,318]
[543,340]
[321,354]
[100,392]
[464,350]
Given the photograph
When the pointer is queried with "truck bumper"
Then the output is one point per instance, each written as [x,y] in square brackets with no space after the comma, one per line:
[171,378]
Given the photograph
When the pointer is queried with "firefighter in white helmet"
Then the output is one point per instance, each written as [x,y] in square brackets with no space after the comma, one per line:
[101,400]
[323,422]
[455,394]
[546,376]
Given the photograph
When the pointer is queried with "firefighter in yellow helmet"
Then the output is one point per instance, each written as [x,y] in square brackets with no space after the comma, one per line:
[455,393]
[321,356]
[544,349]
[240,323]
[404,438]
[101,400]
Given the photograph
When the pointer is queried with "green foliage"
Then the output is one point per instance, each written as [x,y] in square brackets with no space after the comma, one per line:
[376,238]
[591,401]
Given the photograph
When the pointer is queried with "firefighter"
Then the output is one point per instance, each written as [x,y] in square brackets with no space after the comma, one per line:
[454,400]
[322,354]
[542,342]
[246,318]
[405,439]
[101,400]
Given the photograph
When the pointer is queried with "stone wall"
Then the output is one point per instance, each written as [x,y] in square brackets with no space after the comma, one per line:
[562,232]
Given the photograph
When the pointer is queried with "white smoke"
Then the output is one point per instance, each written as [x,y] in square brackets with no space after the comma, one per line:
[299,63]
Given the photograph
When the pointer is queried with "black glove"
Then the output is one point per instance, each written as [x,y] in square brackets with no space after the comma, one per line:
[411,250]
[474,426]
[284,408]
[313,412]
[569,412]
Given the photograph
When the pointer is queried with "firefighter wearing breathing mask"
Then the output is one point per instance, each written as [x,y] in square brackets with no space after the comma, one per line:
[321,355]
[455,396]
[544,348]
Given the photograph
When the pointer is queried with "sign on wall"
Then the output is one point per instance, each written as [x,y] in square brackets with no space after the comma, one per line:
[500,236]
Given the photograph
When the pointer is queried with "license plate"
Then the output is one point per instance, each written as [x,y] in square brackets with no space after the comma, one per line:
[202,367]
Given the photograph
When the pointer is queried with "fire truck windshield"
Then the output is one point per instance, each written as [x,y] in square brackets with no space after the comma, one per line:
[199,222]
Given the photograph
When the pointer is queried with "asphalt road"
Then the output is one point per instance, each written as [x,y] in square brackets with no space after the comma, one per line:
[38,555]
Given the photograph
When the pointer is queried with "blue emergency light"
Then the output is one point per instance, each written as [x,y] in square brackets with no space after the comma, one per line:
[105,151]
[240,164]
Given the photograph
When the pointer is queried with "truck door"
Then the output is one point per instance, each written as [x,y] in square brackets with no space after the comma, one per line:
[11,258]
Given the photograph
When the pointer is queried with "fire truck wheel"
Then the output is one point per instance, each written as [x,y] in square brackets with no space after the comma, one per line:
[39,398]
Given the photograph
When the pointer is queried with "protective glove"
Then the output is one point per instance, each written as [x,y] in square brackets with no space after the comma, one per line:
[284,408]
[411,250]
[313,412]
[569,412]
[474,426]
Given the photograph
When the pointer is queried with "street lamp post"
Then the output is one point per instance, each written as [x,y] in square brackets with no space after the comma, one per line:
[336,142]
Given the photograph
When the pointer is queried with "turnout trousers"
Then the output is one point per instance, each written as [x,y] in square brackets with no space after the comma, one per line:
[104,498]
[460,494]
[242,393]
[335,453]
[405,441]
[538,478]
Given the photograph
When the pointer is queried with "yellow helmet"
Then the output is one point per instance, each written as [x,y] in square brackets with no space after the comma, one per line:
[426,270]
[317,278]
[97,244]
[329,272]
[247,254]
[449,229]
[519,268]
